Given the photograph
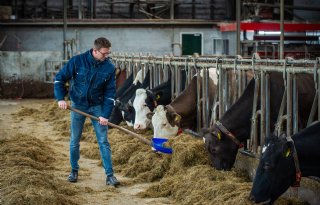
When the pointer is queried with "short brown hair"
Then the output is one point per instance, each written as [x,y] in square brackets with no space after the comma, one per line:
[102,43]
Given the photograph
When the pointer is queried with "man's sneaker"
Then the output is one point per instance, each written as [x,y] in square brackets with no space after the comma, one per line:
[112,180]
[73,176]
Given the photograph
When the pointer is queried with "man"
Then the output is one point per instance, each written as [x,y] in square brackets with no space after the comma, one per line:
[92,90]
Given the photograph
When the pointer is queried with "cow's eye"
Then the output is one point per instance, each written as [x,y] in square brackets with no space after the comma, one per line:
[164,124]
[145,105]
[267,166]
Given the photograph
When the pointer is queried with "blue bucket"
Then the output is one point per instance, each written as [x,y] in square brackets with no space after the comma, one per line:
[157,143]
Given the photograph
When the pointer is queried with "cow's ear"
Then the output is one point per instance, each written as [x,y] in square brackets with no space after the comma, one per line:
[149,115]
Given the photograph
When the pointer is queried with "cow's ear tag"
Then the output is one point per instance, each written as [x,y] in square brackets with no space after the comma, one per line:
[157,97]
[287,152]
[177,118]
[219,136]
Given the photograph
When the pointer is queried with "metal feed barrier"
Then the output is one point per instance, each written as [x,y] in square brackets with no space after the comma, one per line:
[225,96]
[51,68]
[232,80]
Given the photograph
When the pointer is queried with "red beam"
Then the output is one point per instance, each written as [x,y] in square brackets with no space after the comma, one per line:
[289,27]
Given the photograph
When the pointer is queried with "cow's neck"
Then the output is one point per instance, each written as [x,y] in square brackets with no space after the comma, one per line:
[308,153]
[237,118]
[185,104]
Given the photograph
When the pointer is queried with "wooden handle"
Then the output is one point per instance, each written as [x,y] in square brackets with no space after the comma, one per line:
[142,139]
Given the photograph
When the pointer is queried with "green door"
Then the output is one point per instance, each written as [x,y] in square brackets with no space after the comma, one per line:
[191,43]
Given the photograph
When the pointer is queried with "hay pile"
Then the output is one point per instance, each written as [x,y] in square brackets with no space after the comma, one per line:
[26,173]
[191,180]
[185,176]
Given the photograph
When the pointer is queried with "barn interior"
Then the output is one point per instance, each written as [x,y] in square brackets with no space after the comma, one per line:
[37,38]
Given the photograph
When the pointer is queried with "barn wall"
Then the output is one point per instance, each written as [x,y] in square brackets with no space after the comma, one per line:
[156,40]
[25,48]
[25,64]
[304,14]
[22,74]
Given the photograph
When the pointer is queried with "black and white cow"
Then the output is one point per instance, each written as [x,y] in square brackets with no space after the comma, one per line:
[121,110]
[147,100]
[182,111]
[223,138]
[116,116]
[278,169]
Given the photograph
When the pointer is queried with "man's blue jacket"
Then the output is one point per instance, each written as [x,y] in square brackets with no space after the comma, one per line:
[92,82]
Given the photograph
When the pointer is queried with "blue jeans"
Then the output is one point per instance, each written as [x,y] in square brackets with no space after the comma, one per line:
[77,122]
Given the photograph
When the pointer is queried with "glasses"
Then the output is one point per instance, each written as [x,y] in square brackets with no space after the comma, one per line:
[107,53]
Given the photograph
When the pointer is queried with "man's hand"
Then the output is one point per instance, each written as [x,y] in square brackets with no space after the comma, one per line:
[62,104]
[103,121]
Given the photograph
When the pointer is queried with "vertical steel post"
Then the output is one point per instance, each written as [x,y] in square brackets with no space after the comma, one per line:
[289,104]
[267,80]
[281,29]
[263,109]
[199,122]
[79,9]
[172,9]
[295,102]
[65,6]
[238,19]
[207,101]
[221,103]
[253,135]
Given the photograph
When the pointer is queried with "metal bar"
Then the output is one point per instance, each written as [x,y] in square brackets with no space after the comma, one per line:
[254,114]
[207,110]
[263,108]
[221,103]
[178,80]
[203,96]
[289,104]
[276,5]
[172,82]
[225,90]
[65,6]
[238,19]
[79,9]
[199,122]
[152,77]
[267,107]
[298,66]
[255,146]
[281,29]
[295,102]
[172,9]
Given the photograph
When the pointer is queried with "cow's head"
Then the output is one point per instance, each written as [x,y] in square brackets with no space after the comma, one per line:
[144,103]
[165,123]
[276,171]
[127,112]
[221,149]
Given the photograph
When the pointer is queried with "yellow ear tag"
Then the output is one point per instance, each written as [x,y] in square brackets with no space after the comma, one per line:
[219,136]
[288,152]
[177,118]
[157,97]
